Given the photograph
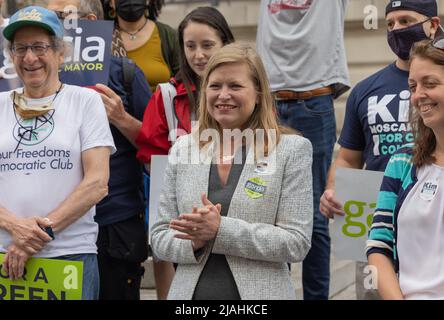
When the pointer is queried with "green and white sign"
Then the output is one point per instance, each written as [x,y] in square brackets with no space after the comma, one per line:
[44,279]
[357,190]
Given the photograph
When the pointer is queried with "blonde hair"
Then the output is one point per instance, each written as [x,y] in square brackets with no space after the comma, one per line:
[264,115]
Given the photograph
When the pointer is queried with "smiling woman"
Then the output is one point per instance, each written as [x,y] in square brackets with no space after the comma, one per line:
[231,95]
[409,214]
[255,214]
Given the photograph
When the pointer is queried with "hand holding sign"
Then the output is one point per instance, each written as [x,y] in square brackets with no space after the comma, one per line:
[329,205]
[14,262]
[42,279]
[113,104]
[358,191]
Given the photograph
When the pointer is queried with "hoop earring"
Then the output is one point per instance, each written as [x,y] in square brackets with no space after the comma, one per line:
[112,13]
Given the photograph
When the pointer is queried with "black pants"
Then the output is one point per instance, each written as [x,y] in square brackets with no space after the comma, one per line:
[122,247]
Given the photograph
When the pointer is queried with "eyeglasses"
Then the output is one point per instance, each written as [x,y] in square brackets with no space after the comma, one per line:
[39,49]
[64,14]
[438,41]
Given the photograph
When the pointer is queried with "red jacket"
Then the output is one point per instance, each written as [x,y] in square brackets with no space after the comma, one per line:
[153,136]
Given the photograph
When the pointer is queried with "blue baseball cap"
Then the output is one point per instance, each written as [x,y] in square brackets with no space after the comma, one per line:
[429,8]
[34,16]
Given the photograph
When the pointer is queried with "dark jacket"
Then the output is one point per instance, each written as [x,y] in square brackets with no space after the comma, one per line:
[170,46]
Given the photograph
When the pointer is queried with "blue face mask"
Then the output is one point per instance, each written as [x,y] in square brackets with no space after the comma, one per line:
[402,40]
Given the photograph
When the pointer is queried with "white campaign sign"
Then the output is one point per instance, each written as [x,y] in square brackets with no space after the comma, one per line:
[357,190]
[157,173]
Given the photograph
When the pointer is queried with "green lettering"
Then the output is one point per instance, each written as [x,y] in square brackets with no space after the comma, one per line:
[350,213]
[370,215]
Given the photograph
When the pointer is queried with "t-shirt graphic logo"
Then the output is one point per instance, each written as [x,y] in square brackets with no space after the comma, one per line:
[389,130]
[33,131]
[279,5]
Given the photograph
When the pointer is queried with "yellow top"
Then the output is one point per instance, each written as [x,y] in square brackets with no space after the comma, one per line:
[149,58]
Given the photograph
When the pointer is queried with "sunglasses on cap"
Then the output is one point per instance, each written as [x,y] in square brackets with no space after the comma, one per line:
[438,41]
[62,15]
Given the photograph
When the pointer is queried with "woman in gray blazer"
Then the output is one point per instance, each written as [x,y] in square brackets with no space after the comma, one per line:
[237,203]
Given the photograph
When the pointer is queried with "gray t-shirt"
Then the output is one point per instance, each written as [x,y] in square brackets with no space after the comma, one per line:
[301,43]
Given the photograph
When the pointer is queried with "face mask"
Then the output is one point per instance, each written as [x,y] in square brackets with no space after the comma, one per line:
[28,112]
[130,10]
[402,40]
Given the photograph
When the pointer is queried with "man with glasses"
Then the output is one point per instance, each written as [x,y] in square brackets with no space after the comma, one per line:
[122,242]
[55,145]
[376,120]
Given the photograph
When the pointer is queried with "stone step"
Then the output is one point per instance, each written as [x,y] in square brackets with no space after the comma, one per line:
[342,277]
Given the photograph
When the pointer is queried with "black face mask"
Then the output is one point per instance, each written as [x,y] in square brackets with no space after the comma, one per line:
[130,10]
[402,40]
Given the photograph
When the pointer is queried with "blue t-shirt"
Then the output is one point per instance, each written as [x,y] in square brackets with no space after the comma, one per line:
[125,193]
[377,115]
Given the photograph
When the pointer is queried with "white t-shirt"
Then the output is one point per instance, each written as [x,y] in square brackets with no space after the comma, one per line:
[40,162]
[421,237]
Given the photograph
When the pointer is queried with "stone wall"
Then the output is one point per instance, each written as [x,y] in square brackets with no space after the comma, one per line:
[367,49]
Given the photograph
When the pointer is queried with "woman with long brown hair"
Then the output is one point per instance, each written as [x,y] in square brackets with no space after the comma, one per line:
[405,242]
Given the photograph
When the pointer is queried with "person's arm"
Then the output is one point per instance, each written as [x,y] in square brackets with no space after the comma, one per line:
[388,284]
[347,158]
[352,141]
[380,246]
[117,116]
[26,233]
[92,189]
[166,246]
[153,136]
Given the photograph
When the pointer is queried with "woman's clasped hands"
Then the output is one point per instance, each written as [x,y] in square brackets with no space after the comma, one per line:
[199,226]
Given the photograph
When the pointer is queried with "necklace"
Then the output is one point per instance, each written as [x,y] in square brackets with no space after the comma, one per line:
[132,35]
[27,112]
[29,132]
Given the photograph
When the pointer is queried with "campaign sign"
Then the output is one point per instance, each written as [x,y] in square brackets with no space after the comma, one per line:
[357,190]
[157,182]
[44,279]
[87,57]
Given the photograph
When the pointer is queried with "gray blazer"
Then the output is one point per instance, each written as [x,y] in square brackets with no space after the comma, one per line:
[265,228]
